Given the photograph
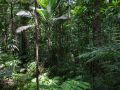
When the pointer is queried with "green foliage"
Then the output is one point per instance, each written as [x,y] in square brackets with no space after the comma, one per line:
[105,53]
[8,66]
[9,61]
[44,14]
[103,64]
[67,49]
[47,8]
[78,10]
[5,57]
[49,4]
[75,85]
[54,84]
[28,82]
[31,68]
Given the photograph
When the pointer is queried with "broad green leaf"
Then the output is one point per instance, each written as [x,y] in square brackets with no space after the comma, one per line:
[53,3]
[43,3]
[42,13]
[47,3]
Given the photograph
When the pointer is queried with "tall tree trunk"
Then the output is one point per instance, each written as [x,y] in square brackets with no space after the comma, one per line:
[23,48]
[12,17]
[4,27]
[97,37]
[13,28]
[37,46]
[60,31]
[12,21]
[97,34]
[97,40]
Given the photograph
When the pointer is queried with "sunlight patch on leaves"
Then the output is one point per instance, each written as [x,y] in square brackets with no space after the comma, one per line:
[24,14]
[22,28]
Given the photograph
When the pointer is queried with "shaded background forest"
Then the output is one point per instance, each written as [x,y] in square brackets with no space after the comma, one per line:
[79,44]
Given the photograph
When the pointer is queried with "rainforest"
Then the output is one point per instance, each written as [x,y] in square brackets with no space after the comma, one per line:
[59,44]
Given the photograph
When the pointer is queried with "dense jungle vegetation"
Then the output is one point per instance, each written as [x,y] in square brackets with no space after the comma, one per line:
[59,44]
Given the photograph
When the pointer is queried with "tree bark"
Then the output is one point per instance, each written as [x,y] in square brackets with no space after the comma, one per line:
[37,46]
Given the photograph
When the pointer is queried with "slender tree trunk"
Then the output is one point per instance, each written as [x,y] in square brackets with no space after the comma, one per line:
[5,33]
[97,31]
[60,32]
[37,46]
[97,37]
[69,8]
[97,34]
[12,27]
[23,48]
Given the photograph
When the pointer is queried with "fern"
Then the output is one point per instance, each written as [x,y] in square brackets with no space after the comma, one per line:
[55,84]
[75,85]
[104,53]
[105,67]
